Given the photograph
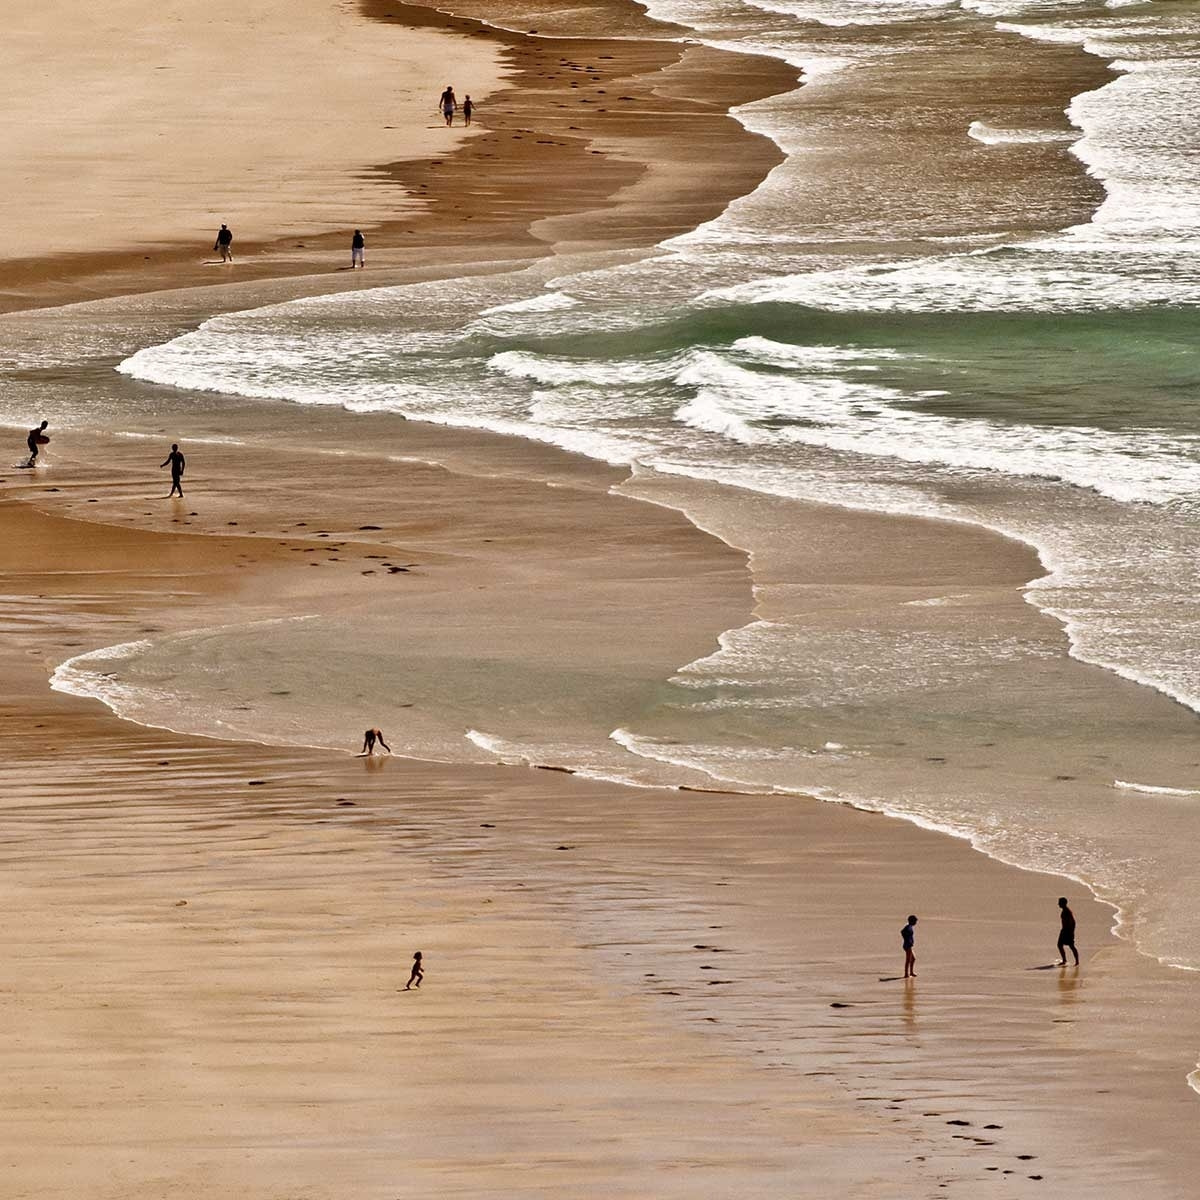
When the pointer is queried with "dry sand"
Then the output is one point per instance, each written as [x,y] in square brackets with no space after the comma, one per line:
[578,142]
[157,124]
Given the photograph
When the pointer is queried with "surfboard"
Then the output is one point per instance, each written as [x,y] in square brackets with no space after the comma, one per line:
[42,439]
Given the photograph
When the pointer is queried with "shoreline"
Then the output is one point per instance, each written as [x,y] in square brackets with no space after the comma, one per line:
[203,892]
[587,827]
[483,179]
[704,529]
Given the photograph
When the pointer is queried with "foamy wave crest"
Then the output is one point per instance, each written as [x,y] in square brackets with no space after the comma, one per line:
[755,409]
[989,135]
[1029,278]
[835,14]
[1150,789]
[577,760]
[542,368]
[86,675]
[503,751]
[816,358]
[691,758]
[548,302]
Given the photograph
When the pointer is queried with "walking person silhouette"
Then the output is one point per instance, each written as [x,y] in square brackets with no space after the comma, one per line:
[178,462]
[1066,937]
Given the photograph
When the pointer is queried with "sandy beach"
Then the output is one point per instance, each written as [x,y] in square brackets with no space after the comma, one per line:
[207,941]
[360,93]
[630,991]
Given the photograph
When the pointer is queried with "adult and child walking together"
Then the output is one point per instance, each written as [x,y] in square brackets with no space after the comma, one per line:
[1066,940]
[448,106]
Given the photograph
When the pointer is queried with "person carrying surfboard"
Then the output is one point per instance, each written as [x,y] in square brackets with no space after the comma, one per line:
[37,437]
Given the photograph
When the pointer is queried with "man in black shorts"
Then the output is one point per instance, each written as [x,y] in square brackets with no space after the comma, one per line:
[1066,939]
[224,243]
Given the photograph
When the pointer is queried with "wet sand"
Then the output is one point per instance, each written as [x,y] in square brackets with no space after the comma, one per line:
[206,938]
[630,991]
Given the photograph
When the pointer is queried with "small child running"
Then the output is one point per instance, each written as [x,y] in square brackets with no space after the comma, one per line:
[418,972]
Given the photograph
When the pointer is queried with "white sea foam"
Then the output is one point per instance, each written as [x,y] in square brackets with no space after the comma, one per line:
[817,358]
[548,302]
[1137,465]
[545,369]
[503,751]
[836,14]
[1153,790]
[1029,278]
[83,675]
[989,135]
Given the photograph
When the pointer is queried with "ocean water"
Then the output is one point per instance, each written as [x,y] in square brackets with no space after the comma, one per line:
[969,293]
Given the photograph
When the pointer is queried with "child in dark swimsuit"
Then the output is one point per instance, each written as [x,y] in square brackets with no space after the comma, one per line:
[418,972]
[907,937]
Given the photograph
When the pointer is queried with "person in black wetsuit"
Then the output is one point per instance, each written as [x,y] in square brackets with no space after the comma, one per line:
[907,937]
[178,462]
[370,738]
[1066,938]
[32,441]
[224,243]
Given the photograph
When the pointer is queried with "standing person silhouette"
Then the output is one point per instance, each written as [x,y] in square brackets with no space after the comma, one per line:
[224,243]
[448,104]
[417,973]
[358,249]
[1066,937]
[907,936]
[35,439]
[178,462]
[468,109]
